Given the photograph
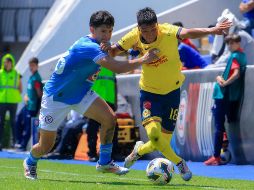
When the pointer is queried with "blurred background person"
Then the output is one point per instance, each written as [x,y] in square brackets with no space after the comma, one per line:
[247,9]
[227,94]
[10,93]
[220,52]
[32,101]
[191,59]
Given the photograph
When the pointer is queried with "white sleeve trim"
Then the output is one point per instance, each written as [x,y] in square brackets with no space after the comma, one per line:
[98,57]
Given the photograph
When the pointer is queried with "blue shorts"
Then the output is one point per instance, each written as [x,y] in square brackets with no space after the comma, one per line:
[162,108]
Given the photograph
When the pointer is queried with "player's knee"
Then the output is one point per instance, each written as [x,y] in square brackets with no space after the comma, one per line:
[153,132]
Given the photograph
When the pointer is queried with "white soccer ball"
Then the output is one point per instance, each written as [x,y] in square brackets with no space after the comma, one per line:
[160,171]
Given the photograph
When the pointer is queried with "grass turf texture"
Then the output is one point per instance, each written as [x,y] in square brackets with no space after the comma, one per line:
[54,175]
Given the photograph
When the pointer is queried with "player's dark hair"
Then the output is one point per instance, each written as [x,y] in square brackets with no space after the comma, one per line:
[146,16]
[101,18]
[34,60]
[232,38]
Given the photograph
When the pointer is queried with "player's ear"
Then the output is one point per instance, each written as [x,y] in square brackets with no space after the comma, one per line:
[92,29]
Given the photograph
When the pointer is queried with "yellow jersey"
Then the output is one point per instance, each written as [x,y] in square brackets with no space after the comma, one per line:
[164,75]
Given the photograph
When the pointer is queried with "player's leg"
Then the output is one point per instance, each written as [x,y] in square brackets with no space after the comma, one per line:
[91,131]
[169,118]
[148,109]
[98,110]
[219,119]
[51,115]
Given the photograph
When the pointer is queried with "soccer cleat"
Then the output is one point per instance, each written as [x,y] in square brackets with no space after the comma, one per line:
[133,157]
[111,168]
[184,170]
[213,161]
[29,171]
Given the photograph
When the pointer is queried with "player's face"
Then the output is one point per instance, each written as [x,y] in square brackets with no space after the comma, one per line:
[7,65]
[233,46]
[33,67]
[149,32]
[102,33]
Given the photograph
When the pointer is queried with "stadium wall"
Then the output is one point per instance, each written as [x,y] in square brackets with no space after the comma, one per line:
[193,137]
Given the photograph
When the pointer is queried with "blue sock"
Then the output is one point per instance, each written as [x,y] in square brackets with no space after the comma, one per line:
[105,153]
[31,160]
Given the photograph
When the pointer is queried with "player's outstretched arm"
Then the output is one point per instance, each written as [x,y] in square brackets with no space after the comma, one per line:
[126,66]
[112,50]
[219,29]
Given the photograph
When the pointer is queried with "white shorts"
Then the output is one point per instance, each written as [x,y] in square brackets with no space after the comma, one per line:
[52,113]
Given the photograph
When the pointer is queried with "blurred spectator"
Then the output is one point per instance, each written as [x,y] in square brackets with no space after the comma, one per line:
[190,58]
[186,41]
[32,105]
[68,137]
[105,87]
[247,42]
[10,93]
[227,94]
[247,9]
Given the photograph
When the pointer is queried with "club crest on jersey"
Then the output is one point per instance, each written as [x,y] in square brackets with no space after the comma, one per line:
[48,119]
[146,113]
[147,105]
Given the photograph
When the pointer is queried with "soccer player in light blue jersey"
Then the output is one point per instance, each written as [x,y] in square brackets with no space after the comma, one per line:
[69,88]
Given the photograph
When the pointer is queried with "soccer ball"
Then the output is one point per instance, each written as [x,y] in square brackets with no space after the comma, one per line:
[225,156]
[160,171]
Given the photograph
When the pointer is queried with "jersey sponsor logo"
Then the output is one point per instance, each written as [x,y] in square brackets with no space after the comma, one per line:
[163,59]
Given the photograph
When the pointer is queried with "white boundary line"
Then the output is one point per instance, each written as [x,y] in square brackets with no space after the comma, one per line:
[76,174]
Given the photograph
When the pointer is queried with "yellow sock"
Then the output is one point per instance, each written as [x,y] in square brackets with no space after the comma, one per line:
[159,141]
[169,153]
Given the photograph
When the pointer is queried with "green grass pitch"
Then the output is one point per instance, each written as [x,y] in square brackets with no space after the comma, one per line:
[56,176]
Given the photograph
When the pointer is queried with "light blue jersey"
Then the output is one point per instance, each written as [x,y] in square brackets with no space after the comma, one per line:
[75,71]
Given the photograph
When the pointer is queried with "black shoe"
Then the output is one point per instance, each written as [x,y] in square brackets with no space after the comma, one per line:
[93,159]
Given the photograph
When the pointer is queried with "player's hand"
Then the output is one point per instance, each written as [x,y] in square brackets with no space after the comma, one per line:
[150,56]
[105,46]
[221,28]
[220,81]
[26,99]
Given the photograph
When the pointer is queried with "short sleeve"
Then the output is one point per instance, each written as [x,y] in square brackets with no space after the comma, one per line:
[128,40]
[90,51]
[235,64]
[172,30]
[37,85]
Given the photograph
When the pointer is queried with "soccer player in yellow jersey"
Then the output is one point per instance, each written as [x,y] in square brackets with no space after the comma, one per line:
[160,81]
